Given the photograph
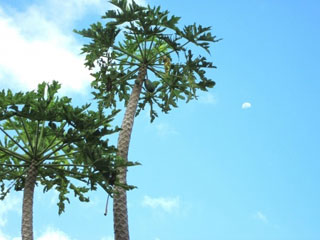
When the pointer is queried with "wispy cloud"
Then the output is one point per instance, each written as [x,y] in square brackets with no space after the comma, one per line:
[65,13]
[3,236]
[140,2]
[246,105]
[261,217]
[54,197]
[11,203]
[166,204]
[49,234]
[45,55]
[207,98]
[7,237]
[54,234]
[164,129]
[37,43]
[107,238]
[34,49]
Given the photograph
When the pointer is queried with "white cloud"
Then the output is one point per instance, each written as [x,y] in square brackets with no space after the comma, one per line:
[54,197]
[10,203]
[164,129]
[53,234]
[37,44]
[140,2]
[107,238]
[65,13]
[13,203]
[3,236]
[207,98]
[167,204]
[7,237]
[46,54]
[260,216]
[246,105]
[49,234]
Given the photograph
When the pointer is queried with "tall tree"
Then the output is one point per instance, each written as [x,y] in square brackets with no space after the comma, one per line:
[48,141]
[151,44]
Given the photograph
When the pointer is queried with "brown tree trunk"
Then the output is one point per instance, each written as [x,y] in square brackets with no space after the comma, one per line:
[27,206]
[120,212]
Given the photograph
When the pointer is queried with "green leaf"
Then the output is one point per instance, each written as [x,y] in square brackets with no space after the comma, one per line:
[63,141]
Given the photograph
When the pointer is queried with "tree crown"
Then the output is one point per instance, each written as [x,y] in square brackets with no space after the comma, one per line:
[66,143]
[135,36]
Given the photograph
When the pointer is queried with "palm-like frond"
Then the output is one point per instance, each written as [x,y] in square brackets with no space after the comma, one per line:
[133,36]
[65,142]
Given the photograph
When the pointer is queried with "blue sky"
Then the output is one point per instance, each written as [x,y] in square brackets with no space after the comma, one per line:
[240,163]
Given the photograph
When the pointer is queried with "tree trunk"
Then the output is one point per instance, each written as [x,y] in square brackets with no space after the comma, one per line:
[120,212]
[27,207]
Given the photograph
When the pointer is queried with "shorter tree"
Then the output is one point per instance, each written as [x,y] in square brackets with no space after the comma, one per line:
[46,140]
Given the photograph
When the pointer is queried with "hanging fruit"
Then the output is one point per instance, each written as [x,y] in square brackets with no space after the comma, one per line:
[149,85]
[167,63]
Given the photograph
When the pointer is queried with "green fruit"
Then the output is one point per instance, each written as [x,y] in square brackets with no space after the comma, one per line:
[149,85]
